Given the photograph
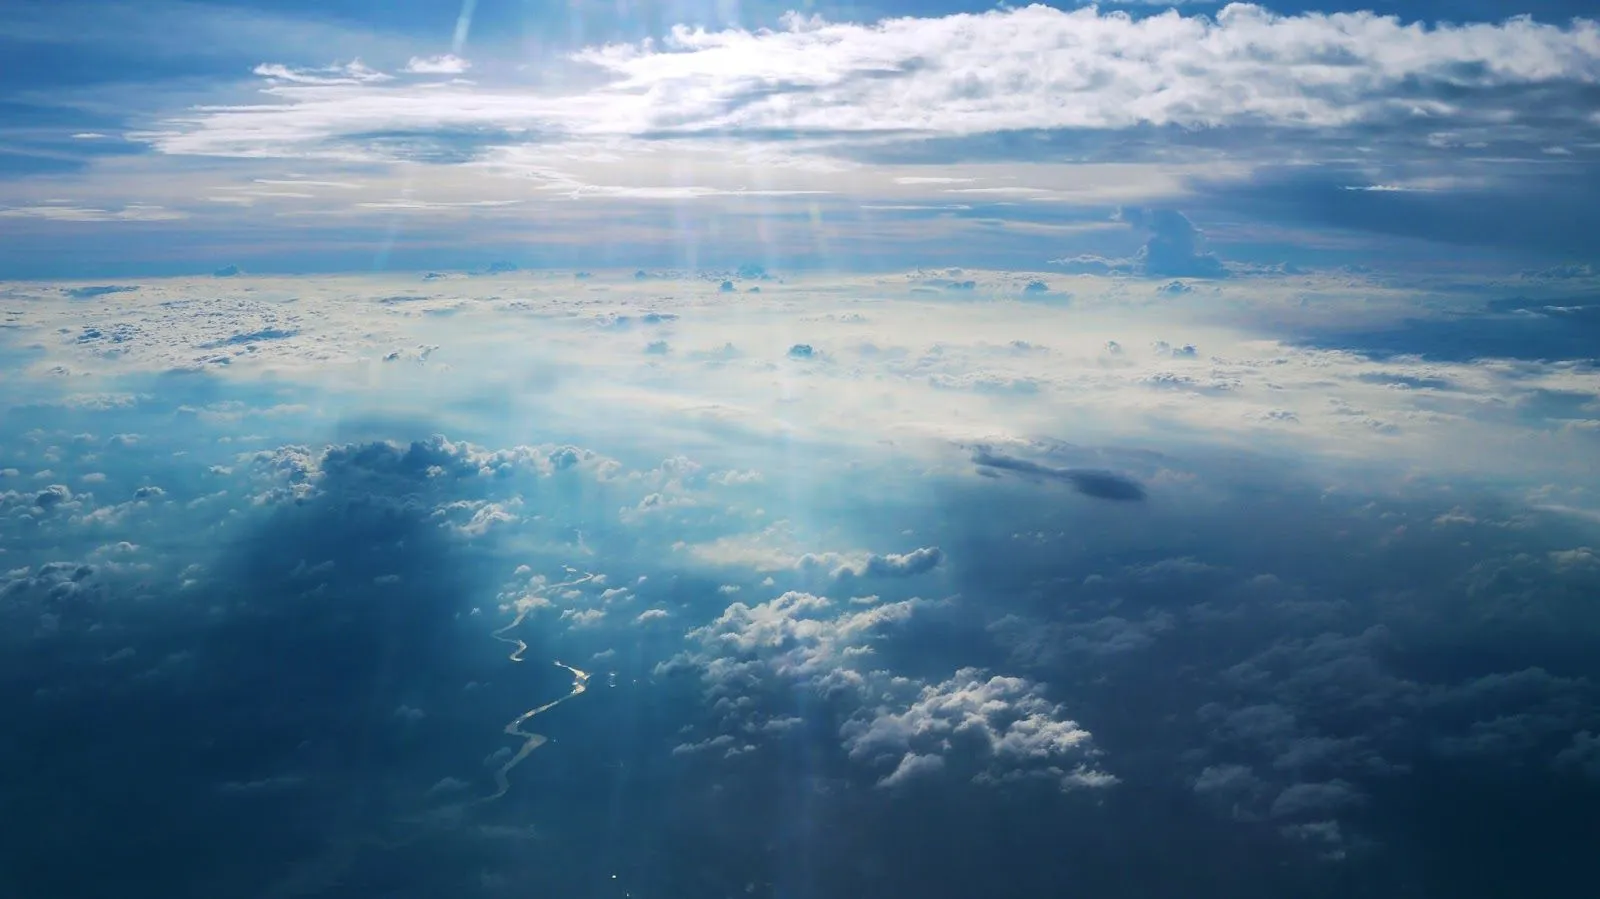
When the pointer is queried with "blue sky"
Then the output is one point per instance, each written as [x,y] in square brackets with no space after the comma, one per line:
[180,137]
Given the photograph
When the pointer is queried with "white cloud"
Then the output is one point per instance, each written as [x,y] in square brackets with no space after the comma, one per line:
[583,617]
[447,64]
[979,73]
[66,213]
[1012,69]
[1006,723]
[991,729]
[880,385]
[912,766]
[353,72]
[894,565]
[794,634]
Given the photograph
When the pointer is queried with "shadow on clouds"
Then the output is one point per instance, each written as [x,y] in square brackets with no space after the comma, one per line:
[1515,328]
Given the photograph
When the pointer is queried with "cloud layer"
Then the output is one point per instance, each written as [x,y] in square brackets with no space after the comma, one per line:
[1033,68]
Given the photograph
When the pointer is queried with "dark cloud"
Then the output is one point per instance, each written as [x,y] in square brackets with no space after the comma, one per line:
[1099,484]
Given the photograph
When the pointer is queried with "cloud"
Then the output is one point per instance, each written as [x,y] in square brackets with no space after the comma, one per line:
[437,65]
[353,72]
[1003,727]
[894,565]
[1582,757]
[1099,484]
[961,74]
[65,213]
[1257,584]
[1230,783]
[792,635]
[944,74]
[911,767]
[1173,249]
[1313,798]
[989,728]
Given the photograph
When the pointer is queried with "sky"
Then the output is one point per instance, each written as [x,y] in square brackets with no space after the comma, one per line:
[692,451]
[181,137]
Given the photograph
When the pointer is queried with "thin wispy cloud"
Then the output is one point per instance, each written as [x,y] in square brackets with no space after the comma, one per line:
[66,213]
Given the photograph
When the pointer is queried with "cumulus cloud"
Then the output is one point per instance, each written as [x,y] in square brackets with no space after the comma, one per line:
[989,728]
[1172,249]
[793,635]
[894,565]
[912,766]
[1003,726]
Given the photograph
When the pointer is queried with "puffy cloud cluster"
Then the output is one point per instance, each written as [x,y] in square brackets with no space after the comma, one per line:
[988,728]
[437,464]
[792,636]
[1314,697]
[1010,728]
[872,565]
